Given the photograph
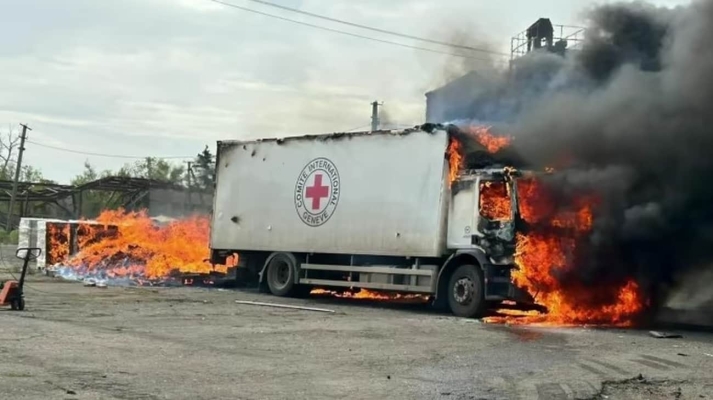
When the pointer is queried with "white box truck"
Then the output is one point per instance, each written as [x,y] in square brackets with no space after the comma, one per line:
[373,210]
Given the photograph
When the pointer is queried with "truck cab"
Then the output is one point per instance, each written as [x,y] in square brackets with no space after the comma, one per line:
[483,213]
[482,221]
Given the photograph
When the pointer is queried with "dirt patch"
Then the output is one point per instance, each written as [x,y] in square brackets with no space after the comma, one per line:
[642,388]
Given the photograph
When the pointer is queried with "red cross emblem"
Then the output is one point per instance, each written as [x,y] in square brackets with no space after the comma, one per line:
[317,192]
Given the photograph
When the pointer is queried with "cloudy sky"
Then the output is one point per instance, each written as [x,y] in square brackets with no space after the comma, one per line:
[165,78]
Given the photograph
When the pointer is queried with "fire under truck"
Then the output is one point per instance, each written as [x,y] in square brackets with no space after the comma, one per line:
[380,210]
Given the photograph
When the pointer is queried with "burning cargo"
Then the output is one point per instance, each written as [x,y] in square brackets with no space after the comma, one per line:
[129,248]
[60,239]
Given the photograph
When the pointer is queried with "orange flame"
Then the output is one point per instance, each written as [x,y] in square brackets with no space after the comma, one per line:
[495,201]
[130,244]
[491,142]
[455,159]
[547,251]
[365,294]
[57,242]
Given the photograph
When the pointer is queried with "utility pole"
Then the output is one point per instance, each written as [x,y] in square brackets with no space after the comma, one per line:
[18,169]
[189,172]
[375,115]
[149,161]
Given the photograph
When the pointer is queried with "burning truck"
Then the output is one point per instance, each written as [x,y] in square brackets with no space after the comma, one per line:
[388,211]
[441,213]
[620,224]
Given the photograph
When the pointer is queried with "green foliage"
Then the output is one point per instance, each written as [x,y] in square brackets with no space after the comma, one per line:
[89,174]
[11,237]
[154,168]
[14,236]
[30,174]
[204,169]
[92,201]
[95,201]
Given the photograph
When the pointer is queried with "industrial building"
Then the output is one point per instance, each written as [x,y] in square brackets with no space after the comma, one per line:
[474,96]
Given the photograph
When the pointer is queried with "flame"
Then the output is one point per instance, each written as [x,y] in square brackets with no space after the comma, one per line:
[365,294]
[482,134]
[495,201]
[57,242]
[129,244]
[455,159]
[547,254]
[549,250]
[487,139]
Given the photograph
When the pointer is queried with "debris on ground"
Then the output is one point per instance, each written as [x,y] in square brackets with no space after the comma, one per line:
[640,388]
[257,303]
[664,335]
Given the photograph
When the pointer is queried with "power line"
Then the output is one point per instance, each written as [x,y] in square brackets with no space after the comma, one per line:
[371,28]
[104,154]
[354,129]
[324,28]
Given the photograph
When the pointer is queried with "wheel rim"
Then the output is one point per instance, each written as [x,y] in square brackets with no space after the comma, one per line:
[463,291]
[281,275]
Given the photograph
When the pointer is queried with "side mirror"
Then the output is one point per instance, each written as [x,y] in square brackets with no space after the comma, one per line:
[28,253]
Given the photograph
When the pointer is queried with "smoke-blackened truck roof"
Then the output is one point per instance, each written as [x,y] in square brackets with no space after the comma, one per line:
[354,193]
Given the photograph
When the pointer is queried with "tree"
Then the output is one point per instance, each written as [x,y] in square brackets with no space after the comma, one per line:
[204,169]
[9,144]
[154,168]
[28,173]
[89,174]
[93,201]
[9,149]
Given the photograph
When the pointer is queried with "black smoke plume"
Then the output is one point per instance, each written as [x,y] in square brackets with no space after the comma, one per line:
[629,117]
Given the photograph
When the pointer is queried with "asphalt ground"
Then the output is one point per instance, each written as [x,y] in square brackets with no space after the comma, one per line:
[77,342]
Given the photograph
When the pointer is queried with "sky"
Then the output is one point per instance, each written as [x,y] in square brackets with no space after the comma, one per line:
[165,78]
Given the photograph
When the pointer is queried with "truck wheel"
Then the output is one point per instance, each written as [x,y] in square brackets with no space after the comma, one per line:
[466,296]
[281,275]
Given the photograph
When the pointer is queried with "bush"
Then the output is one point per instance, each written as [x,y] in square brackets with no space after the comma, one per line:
[14,237]
[11,237]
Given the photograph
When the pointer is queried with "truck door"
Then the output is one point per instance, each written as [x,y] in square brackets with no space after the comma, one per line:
[497,209]
[462,219]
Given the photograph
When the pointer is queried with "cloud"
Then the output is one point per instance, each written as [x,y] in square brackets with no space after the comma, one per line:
[166,77]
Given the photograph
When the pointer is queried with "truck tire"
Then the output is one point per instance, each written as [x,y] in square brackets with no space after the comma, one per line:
[466,297]
[281,275]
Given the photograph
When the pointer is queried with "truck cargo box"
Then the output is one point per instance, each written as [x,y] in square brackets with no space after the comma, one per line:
[380,193]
